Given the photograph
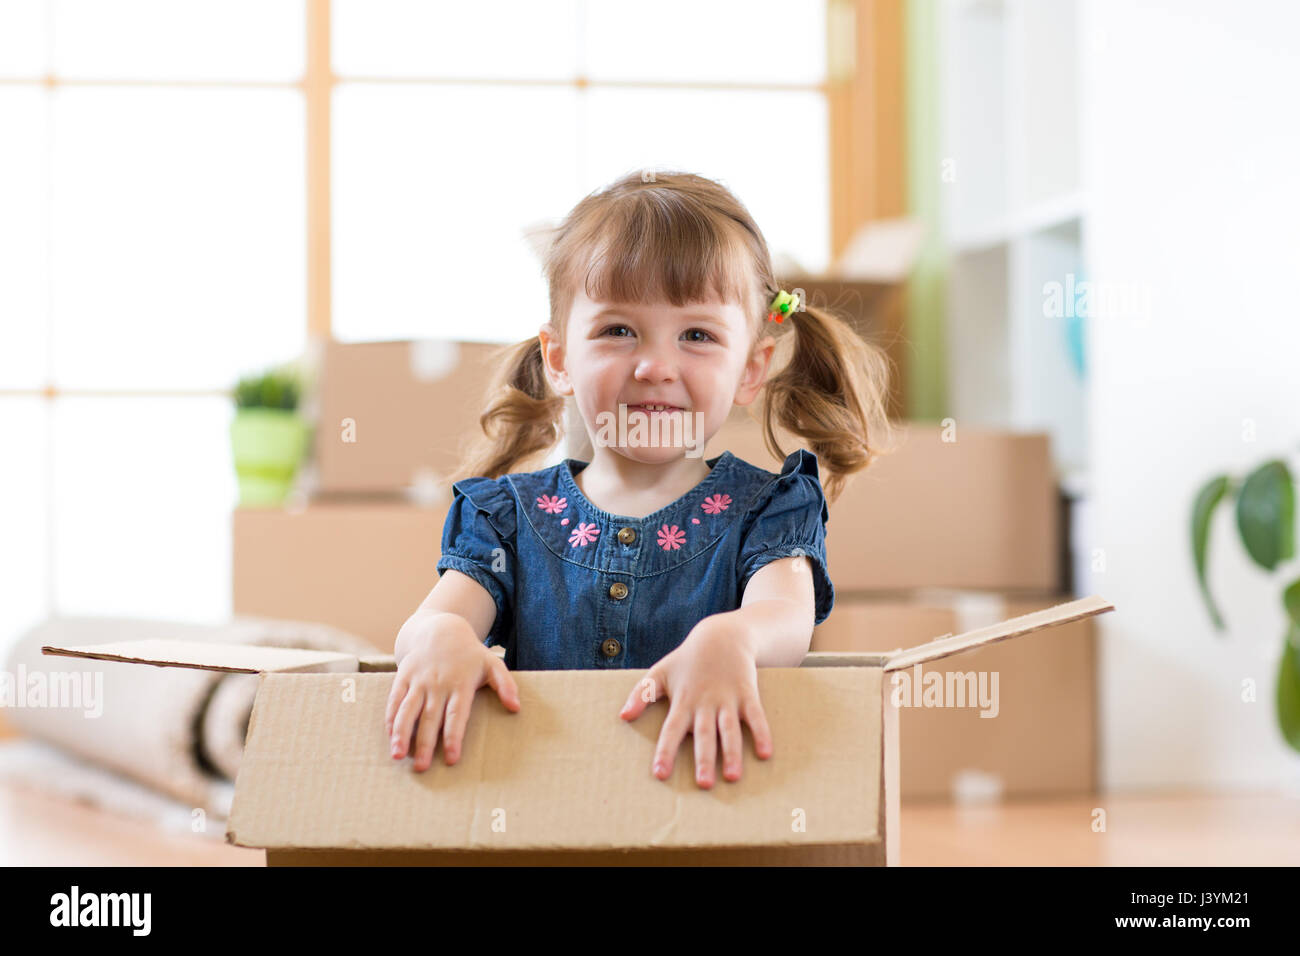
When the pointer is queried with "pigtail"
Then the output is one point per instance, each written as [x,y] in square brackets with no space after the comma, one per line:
[523,416]
[834,393]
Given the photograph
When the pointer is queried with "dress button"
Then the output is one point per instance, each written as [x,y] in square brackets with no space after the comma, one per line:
[618,590]
[610,647]
[627,535]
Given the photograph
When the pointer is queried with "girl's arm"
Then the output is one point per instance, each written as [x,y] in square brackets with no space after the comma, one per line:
[455,593]
[778,611]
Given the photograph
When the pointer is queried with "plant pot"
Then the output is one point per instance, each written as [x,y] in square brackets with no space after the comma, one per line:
[268,444]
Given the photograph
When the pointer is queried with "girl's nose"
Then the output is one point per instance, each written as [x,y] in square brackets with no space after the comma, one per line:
[655,368]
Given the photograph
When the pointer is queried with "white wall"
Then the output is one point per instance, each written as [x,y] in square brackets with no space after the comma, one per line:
[1192,164]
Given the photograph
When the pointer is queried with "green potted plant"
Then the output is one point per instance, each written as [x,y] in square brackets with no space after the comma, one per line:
[268,436]
[1266,525]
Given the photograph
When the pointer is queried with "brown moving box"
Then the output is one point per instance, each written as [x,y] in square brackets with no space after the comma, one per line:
[361,566]
[392,415]
[875,310]
[565,780]
[980,512]
[1040,737]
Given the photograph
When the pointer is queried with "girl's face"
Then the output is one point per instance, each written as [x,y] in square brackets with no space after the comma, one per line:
[695,357]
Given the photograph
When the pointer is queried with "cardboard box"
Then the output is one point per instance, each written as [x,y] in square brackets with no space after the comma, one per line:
[875,310]
[566,780]
[363,566]
[395,415]
[978,513]
[1042,737]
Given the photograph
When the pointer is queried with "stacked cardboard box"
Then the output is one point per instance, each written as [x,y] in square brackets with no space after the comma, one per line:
[875,310]
[957,528]
[393,416]
[362,566]
[360,553]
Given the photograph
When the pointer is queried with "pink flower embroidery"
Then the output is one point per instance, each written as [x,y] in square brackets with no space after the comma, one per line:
[583,535]
[552,504]
[671,539]
[695,521]
[564,521]
[716,504]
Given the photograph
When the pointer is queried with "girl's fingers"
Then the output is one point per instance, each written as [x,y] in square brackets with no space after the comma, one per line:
[752,713]
[670,738]
[404,722]
[395,695]
[456,719]
[645,693]
[499,679]
[426,738]
[706,746]
[733,743]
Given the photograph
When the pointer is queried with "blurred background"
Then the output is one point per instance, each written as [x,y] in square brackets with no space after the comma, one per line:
[229,229]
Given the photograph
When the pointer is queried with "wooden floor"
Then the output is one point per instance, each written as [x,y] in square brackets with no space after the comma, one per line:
[1164,829]
[1173,829]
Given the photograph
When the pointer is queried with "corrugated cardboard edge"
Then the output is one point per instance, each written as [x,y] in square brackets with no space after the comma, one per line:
[845,659]
[1016,626]
[891,782]
[807,855]
[230,658]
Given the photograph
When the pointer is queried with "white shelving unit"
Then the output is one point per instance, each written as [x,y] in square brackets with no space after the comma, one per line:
[1015,215]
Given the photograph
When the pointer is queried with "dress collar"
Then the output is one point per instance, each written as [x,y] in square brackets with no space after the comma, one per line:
[577,531]
[718,468]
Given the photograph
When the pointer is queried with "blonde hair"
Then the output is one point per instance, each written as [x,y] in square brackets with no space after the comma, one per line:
[681,238]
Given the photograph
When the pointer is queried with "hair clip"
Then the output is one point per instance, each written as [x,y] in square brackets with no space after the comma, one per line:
[783,305]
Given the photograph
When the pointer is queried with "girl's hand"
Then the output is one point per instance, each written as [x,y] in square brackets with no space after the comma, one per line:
[435,686]
[712,681]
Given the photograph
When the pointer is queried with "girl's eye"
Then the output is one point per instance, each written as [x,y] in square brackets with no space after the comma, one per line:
[708,337]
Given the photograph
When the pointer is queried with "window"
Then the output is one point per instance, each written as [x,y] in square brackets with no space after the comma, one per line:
[446,146]
[165,181]
[151,248]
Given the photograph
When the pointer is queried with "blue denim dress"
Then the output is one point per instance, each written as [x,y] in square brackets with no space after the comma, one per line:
[577,587]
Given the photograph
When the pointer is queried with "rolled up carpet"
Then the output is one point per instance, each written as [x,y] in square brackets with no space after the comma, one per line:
[178,729]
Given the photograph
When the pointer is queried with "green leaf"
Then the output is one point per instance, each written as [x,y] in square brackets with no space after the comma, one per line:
[1266,514]
[1207,499]
[1288,689]
[1291,600]
[246,393]
[271,391]
[278,388]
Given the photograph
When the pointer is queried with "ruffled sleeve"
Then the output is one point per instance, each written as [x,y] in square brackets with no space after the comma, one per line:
[788,519]
[478,539]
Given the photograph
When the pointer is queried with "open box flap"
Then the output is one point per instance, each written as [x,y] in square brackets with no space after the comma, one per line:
[235,658]
[1013,627]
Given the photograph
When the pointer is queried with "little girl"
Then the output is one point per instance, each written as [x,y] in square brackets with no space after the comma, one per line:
[648,556]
